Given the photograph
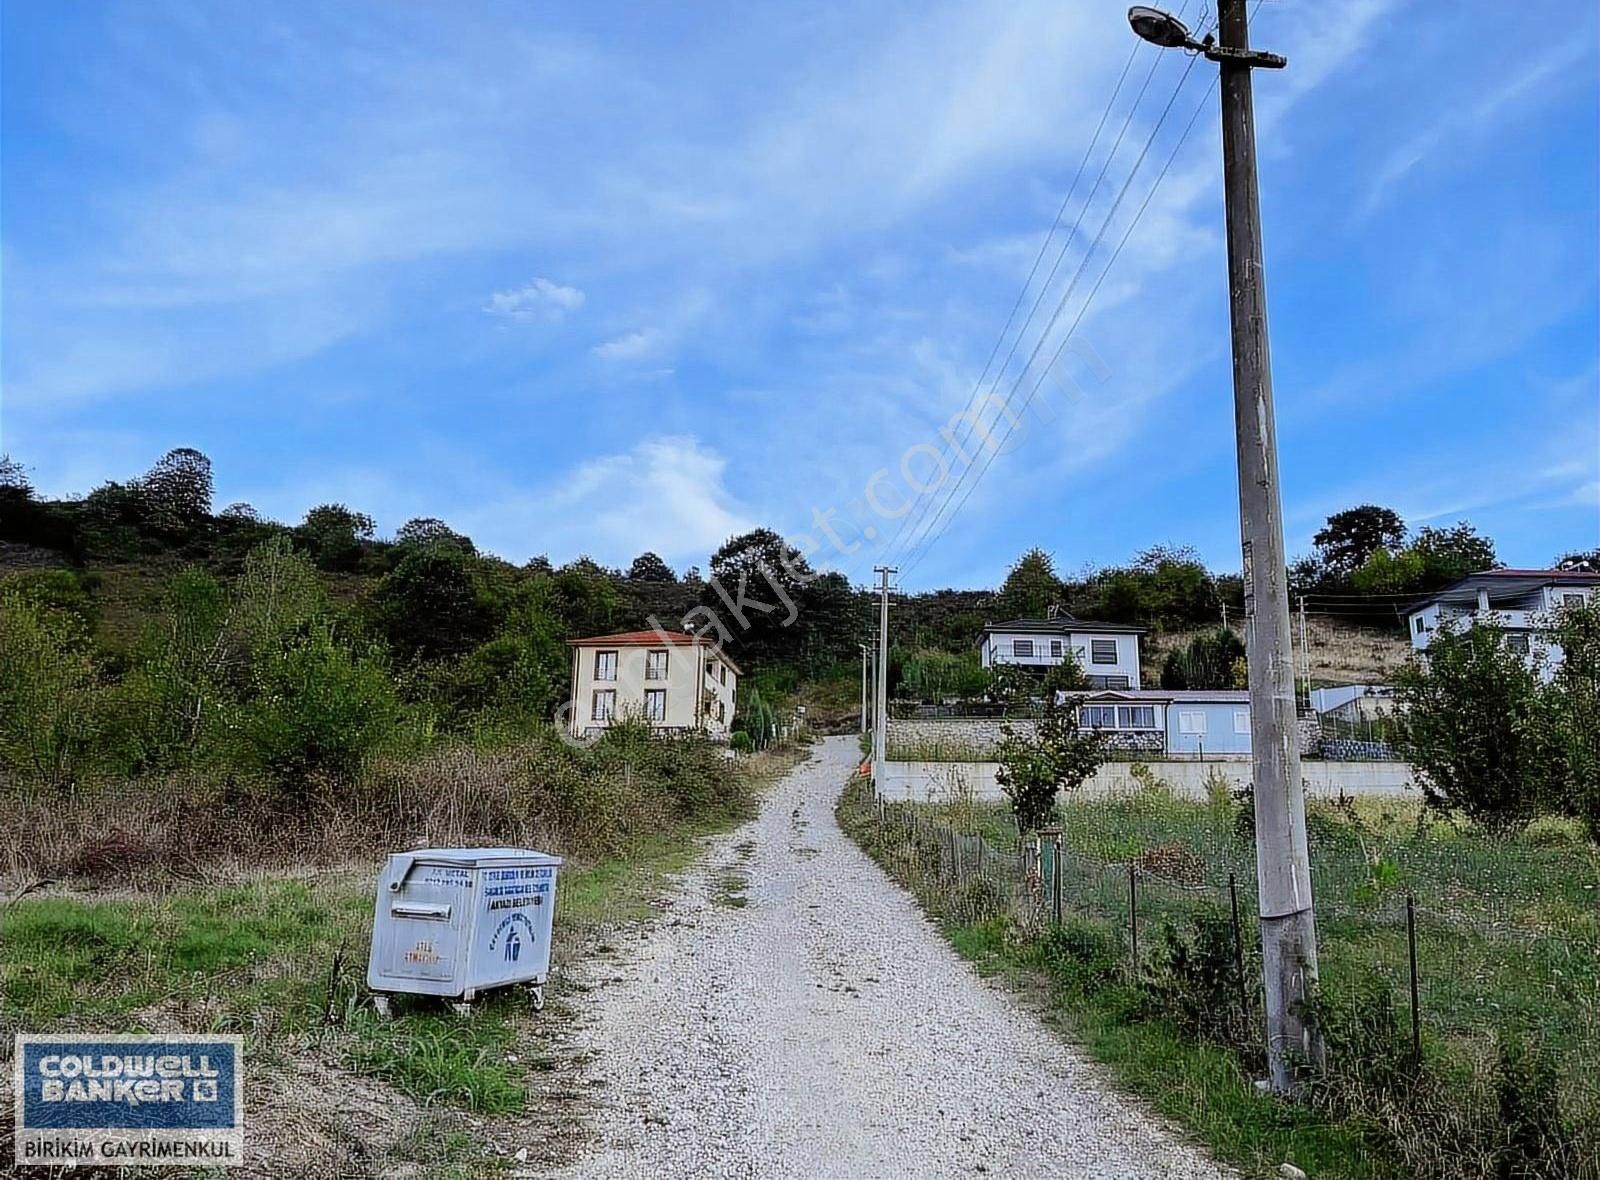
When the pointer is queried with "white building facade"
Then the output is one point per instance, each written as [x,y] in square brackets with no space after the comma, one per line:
[1520,602]
[1107,653]
[674,681]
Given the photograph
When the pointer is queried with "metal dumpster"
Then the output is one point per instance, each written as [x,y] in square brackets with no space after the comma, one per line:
[453,922]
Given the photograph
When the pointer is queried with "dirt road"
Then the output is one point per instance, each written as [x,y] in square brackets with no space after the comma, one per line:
[794,1015]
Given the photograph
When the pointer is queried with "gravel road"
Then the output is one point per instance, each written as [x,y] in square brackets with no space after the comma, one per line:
[824,1029]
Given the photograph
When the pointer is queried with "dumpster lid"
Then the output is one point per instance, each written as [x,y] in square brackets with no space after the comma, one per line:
[480,856]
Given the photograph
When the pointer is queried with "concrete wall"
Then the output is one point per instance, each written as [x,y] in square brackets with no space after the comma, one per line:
[922,781]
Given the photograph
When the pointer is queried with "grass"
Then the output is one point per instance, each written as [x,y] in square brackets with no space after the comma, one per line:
[1201,1087]
[1508,948]
[938,750]
[259,958]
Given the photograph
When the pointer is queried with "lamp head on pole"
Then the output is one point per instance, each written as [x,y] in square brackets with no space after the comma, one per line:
[1159,28]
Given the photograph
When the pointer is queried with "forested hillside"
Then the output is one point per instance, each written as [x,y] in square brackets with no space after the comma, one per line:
[159,631]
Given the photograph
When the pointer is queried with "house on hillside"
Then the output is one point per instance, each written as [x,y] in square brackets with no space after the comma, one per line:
[675,681]
[1183,722]
[1519,601]
[1108,653]
[1353,703]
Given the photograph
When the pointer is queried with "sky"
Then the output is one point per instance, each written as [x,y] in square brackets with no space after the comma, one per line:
[599,278]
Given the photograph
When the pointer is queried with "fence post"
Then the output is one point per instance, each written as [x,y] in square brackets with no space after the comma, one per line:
[1133,913]
[1238,943]
[1416,1007]
[1055,874]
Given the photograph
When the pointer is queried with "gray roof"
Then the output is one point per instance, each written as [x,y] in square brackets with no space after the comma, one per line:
[1062,624]
[1506,582]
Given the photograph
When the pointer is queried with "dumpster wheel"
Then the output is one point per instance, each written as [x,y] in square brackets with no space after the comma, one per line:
[536,996]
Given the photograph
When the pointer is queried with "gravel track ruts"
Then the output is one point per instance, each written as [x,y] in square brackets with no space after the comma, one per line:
[824,1029]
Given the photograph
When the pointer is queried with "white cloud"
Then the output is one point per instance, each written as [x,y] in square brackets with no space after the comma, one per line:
[541,299]
[633,346]
[667,493]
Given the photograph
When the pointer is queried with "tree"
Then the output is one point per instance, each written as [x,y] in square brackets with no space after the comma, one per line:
[430,530]
[1451,554]
[1035,768]
[176,701]
[930,675]
[333,534]
[1349,536]
[1031,588]
[242,512]
[1386,573]
[1471,727]
[177,491]
[648,567]
[1206,662]
[48,710]
[1571,712]
[432,605]
[15,487]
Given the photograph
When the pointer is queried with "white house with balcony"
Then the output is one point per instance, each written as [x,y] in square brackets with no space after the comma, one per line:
[1519,601]
[1108,653]
[674,681]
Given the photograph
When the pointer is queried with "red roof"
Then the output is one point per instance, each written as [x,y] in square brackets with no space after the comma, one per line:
[652,639]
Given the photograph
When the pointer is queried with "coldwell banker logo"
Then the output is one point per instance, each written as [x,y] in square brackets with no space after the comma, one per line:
[129,1100]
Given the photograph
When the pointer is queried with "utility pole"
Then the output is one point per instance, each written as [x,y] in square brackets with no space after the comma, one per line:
[1283,865]
[880,730]
[1305,649]
[863,648]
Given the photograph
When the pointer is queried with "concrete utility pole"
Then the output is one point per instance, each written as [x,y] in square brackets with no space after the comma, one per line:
[880,729]
[1283,865]
[863,648]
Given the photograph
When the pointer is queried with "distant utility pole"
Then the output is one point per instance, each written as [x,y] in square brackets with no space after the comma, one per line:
[1305,649]
[1283,864]
[880,729]
[863,648]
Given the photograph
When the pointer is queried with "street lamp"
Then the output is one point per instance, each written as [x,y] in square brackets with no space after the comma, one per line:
[1283,862]
[1160,28]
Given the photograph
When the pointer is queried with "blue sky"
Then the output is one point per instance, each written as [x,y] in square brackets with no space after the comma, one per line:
[607,277]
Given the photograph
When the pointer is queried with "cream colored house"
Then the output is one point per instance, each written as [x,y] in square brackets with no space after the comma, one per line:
[676,682]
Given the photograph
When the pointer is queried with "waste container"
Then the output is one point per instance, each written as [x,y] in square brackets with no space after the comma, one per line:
[453,922]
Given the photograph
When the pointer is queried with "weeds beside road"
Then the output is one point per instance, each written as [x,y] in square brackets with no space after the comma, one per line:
[1509,941]
[276,949]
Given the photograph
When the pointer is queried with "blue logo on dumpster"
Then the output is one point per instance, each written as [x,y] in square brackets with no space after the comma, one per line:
[513,946]
[121,1100]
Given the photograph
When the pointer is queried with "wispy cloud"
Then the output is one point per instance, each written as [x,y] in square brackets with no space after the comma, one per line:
[541,299]
[632,346]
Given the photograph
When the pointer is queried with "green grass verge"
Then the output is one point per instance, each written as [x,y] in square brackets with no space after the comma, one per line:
[1200,1087]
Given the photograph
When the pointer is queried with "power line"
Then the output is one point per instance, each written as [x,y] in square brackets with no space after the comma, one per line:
[920,511]
[929,536]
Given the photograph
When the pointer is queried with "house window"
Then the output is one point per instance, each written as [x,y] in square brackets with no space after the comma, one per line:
[1116,681]
[1022,649]
[1055,649]
[722,711]
[655,704]
[605,704]
[1517,643]
[605,665]
[722,673]
[1241,721]
[1136,716]
[1098,716]
[1191,721]
[1422,624]
[1103,651]
[655,665]
[1572,600]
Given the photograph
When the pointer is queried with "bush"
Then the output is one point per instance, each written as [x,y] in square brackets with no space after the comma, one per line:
[1472,728]
[49,706]
[1192,979]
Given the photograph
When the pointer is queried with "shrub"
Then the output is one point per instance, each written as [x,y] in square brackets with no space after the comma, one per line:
[48,706]
[1193,980]
[1033,770]
[1471,728]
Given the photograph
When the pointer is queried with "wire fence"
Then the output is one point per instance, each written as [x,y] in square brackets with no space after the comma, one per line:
[1474,944]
